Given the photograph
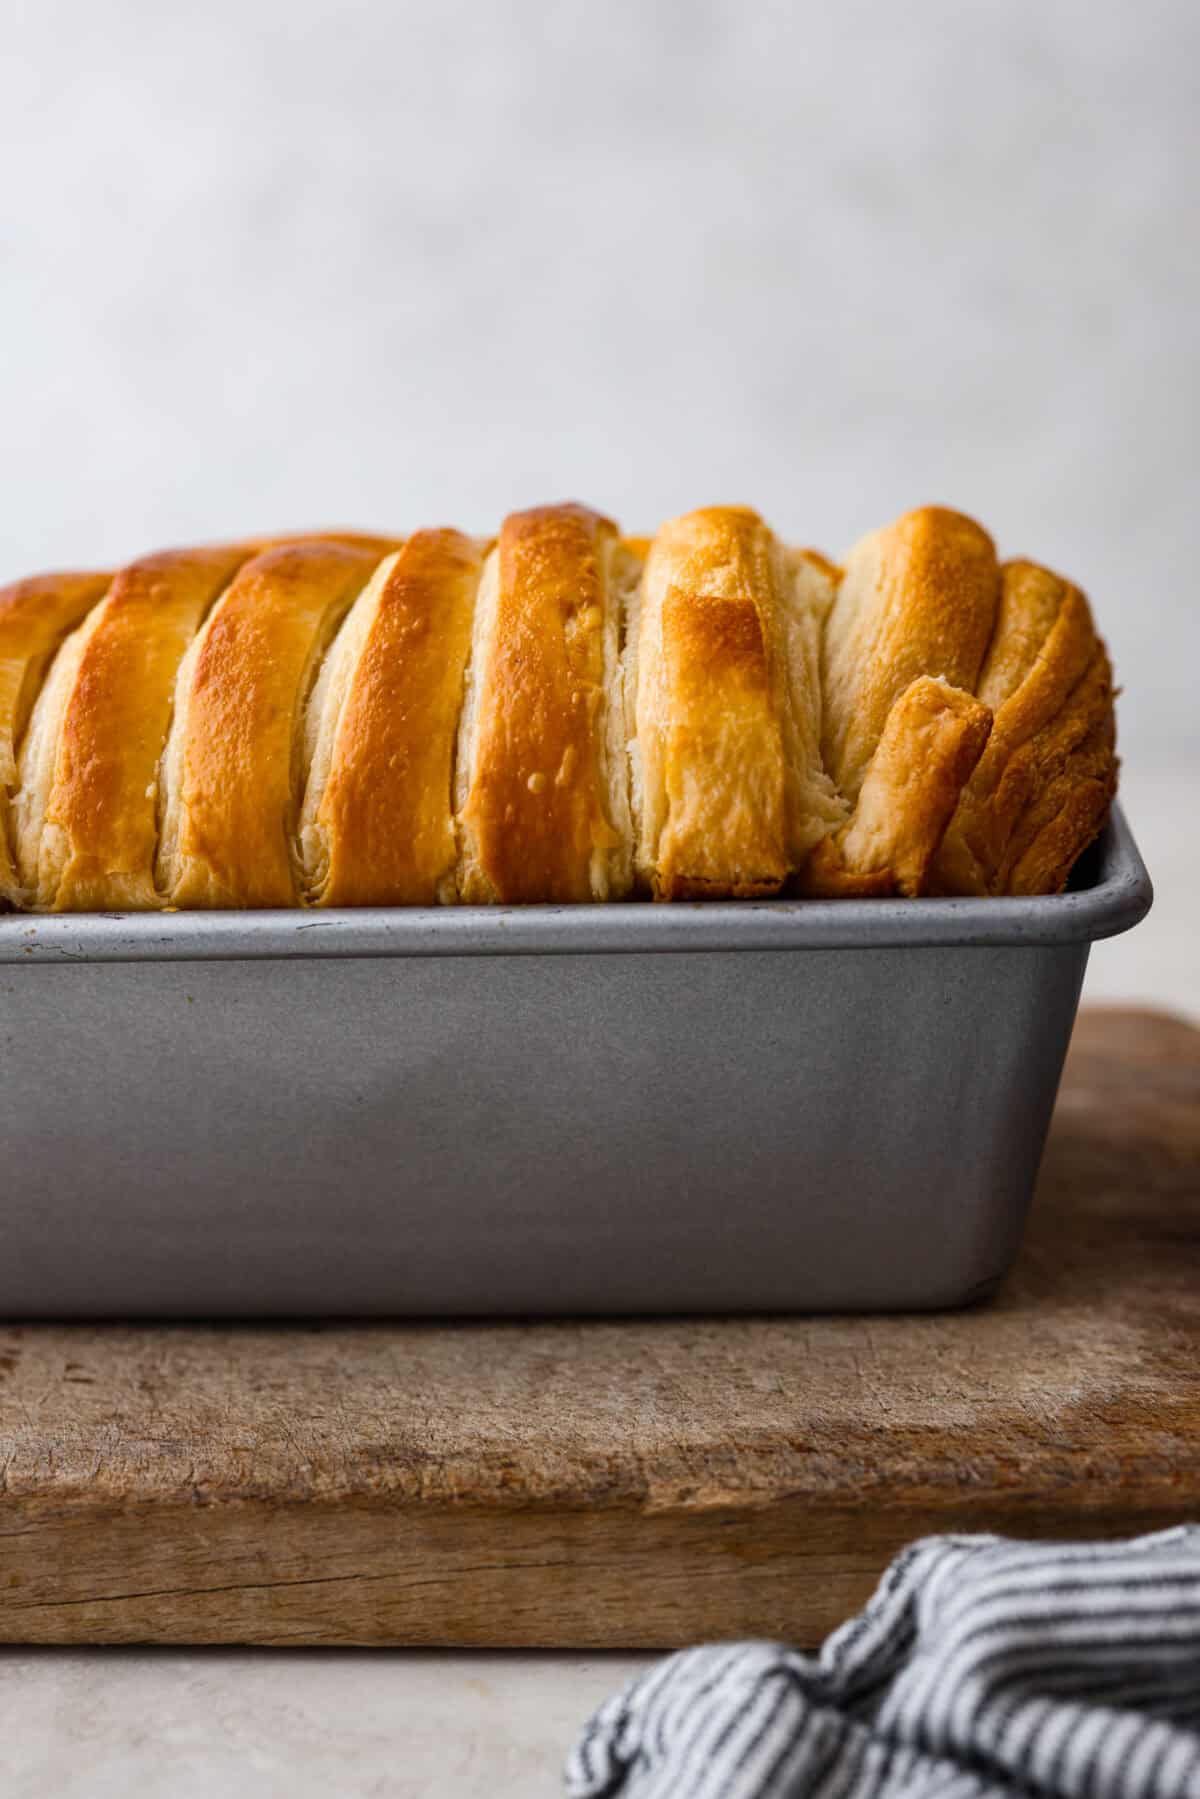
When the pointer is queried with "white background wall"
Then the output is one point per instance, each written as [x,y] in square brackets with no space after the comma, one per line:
[275,262]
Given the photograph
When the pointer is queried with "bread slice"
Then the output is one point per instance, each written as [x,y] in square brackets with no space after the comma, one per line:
[729,789]
[86,812]
[233,767]
[806,587]
[377,824]
[35,616]
[931,742]
[542,783]
[1044,785]
[917,598]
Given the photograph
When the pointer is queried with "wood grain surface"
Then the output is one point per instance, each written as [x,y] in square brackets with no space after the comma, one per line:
[633,1484]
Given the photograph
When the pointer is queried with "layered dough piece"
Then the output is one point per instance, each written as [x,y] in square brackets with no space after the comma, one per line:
[902,727]
[801,724]
[918,597]
[35,616]
[1043,787]
[723,670]
[932,739]
[85,817]
[233,771]
[542,780]
[377,826]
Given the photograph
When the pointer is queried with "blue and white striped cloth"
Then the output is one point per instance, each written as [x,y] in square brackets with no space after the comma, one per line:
[980,1668]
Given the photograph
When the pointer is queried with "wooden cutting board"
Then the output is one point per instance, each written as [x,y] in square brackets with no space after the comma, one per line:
[633,1484]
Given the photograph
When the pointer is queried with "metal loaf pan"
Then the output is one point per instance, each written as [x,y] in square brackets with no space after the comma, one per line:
[595,1109]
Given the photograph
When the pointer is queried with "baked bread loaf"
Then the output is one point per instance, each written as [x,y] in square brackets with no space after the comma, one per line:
[559,715]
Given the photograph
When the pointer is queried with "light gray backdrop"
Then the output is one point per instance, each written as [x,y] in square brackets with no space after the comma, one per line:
[280,264]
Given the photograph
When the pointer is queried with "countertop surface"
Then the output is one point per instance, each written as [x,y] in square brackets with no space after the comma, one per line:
[397,1724]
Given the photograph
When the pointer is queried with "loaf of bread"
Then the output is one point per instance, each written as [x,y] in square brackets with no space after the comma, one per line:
[562,714]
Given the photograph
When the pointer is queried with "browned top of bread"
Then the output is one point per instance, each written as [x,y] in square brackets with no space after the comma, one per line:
[537,818]
[378,821]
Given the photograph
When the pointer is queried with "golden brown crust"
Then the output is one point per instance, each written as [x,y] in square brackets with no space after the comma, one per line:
[89,839]
[917,598]
[709,713]
[35,616]
[537,821]
[380,830]
[1043,787]
[933,739]
[233,763]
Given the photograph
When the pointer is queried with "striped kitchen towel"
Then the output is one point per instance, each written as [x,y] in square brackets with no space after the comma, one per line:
[980,1667]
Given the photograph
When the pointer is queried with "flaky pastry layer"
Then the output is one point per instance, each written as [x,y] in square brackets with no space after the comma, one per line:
[559,715]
